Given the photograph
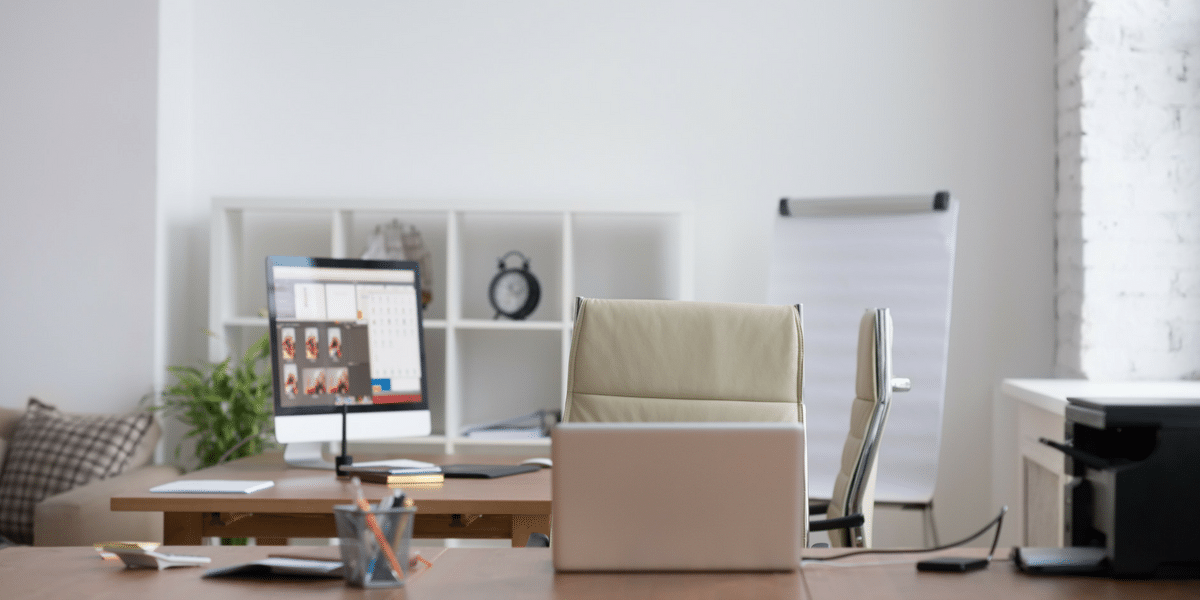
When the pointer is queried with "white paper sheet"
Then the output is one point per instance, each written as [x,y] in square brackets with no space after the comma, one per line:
[212,486]
[837,267]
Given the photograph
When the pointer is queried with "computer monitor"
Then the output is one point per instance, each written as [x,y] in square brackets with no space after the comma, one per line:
[346,341]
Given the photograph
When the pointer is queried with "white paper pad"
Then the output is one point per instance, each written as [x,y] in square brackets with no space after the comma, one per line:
[212,486]
[837,267]
[399,463]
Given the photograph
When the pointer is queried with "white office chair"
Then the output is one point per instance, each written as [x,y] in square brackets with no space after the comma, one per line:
[665,361]
[660,360]
[854,488]
[838,255]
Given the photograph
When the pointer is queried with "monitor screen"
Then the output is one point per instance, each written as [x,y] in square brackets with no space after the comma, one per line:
[346,333]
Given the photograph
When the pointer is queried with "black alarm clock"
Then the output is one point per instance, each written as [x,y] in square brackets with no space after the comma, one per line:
[514,292]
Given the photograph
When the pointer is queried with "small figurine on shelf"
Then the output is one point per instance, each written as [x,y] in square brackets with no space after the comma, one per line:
[402,241]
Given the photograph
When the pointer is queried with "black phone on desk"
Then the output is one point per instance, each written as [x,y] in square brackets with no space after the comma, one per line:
[952,564]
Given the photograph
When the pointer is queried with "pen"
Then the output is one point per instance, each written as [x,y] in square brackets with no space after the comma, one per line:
[384,504]
[395,499]
[387,502]
[401,500]
[365,539]
[373,524]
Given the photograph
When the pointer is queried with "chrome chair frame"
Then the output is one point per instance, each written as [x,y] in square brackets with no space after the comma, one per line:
[885,385]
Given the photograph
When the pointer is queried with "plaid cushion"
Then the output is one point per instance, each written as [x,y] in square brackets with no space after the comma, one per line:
[52,452]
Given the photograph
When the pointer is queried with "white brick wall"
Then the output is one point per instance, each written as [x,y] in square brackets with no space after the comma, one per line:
[1128,189]
[1071,41]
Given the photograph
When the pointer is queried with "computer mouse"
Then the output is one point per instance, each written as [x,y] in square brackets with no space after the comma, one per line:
[539,461]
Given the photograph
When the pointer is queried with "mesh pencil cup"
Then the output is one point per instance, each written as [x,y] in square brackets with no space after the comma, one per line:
[368,563]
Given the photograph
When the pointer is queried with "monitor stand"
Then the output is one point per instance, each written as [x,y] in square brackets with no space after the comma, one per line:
[307,455]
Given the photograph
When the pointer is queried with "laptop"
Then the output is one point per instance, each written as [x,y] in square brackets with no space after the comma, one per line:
[678,496]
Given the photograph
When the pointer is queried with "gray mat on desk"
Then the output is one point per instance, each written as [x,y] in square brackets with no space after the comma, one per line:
[486,471]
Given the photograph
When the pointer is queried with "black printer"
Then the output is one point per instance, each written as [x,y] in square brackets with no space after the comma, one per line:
[1134,490]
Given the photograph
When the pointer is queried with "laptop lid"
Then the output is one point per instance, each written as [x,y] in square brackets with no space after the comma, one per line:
[678,496]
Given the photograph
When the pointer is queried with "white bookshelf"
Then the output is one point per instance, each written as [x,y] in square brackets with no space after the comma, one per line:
[479,369]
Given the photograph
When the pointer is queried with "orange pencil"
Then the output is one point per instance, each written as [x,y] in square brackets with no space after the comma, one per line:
[365,506]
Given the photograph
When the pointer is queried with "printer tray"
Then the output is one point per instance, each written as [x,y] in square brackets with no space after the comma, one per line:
[1072,560]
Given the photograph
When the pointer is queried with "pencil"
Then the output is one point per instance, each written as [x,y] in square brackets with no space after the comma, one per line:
[361,502]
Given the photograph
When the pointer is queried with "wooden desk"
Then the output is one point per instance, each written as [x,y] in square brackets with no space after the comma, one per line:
[999,581]
[32,573]
[302,500]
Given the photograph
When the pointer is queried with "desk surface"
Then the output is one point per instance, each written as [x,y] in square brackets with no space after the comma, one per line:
[1051,394]
[882,577]
[311,490]
[39,573]
[301,502]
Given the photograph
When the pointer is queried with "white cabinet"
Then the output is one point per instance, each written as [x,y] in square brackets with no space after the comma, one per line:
[1033,480]
[480,369]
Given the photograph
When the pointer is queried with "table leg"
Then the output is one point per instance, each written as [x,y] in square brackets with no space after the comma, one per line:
[523,525]
[182,529]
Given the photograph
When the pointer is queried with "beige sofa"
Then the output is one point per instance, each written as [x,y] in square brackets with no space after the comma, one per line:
[81,516]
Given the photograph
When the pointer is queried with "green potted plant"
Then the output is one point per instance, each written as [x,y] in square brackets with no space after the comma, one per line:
[226,405]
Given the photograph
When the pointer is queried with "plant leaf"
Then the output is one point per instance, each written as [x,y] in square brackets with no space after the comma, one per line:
[223,404]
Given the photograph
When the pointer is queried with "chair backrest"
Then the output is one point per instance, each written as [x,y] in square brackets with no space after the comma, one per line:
[678,496]
[854,487]
[666,360]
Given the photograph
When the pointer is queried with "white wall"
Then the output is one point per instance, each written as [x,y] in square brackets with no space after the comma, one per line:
[726,104]
[77,193]
[723,104]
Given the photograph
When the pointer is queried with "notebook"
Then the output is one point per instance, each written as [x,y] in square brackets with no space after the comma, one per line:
[678,496]
[275,566]
[395,476]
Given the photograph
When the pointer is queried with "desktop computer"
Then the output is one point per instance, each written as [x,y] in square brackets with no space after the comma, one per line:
[347,353]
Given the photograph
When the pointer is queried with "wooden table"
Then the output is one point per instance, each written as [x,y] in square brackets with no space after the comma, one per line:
[302,500]
[881,577]
[31,573]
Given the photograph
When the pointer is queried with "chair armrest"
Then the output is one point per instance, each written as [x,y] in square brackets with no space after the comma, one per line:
[846,522]
[81,516]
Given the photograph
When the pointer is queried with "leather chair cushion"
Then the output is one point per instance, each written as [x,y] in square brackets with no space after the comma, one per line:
[699,363]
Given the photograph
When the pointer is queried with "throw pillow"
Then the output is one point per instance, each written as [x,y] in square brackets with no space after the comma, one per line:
[52,452]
